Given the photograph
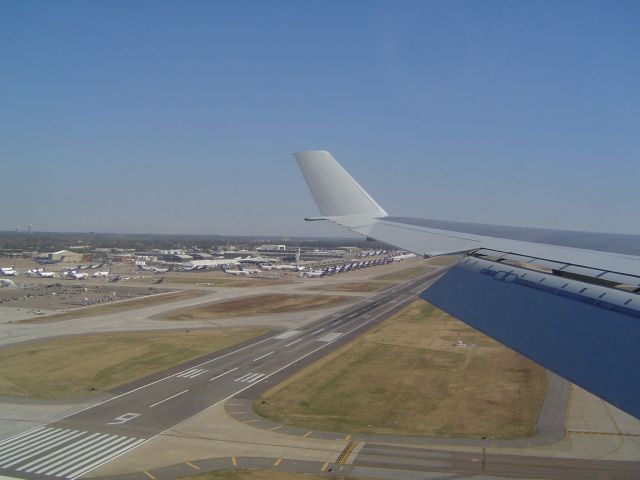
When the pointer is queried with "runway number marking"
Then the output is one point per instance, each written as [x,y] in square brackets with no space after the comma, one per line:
[124,418]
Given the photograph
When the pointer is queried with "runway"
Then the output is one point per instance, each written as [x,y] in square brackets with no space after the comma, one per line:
[75,445]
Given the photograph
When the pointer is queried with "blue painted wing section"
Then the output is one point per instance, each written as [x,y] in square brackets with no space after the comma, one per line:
[585,333]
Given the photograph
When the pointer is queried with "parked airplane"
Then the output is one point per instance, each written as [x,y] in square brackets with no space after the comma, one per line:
[8,271]
[100,274]
[235,272]
[568,300]
[75,275]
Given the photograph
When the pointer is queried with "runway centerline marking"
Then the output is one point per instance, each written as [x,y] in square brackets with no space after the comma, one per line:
[169,398]
[295,341]
[223,374]
[317,331]
[262,356]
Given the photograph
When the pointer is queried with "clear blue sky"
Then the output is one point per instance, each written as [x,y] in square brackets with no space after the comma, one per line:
[148,116]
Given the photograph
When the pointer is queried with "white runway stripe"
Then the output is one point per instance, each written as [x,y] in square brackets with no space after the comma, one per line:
[103,460]
[61,462]
[20,435]
[289,334]
[223,374]
[42,461]
[61,452]
[60,459]
[250,377]
[89,456]
[29,442]
[68,436]
[192,373]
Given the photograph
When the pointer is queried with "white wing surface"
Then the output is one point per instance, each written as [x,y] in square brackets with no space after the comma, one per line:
[568,300]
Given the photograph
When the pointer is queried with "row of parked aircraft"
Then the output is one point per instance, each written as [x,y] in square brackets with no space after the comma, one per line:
[40,272]
[347,267]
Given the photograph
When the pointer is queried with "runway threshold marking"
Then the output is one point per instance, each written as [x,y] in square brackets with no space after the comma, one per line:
[277,462]
[195,467]
[223,374]
[168,398]
[289,334]
[296,341]
[149,475]
[262,356]
[250,377]
[192,373]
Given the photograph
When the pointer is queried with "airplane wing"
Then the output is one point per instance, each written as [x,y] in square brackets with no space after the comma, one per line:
[570,301]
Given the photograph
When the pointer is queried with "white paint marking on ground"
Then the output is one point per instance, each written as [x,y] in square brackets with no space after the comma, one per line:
[169,398]
[192,373]
[250,377]
[295,341]
[317,331]
[106,459]
[289,334]
[329,337]
[244,377]
[67,437]
[42,461]
[223,374]
[262,356]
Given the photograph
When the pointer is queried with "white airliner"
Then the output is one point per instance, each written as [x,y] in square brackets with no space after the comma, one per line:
[568,300]
[8,271]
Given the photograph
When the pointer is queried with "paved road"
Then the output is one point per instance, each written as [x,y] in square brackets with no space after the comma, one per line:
[73,446]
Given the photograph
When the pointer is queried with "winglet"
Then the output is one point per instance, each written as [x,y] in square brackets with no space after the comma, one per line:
[335,192]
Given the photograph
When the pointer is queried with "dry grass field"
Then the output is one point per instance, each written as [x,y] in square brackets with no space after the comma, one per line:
[405,274]
[257,305]
[73,367]
[118,307]
[405,376]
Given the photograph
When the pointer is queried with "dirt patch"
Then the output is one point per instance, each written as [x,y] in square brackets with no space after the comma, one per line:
[407,376]
[257,305]
[73,367]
